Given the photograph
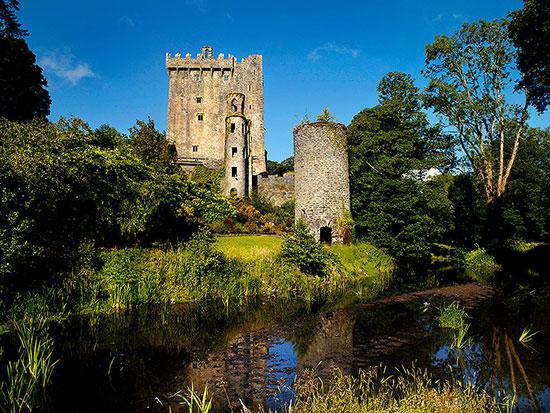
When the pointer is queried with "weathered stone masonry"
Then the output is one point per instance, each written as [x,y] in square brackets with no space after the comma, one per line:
[276,189]
[322,178]
[198,107]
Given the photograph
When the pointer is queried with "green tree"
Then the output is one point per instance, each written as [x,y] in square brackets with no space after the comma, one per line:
[391,148]
[58,189]
[469,74]
[9,26]
[23,94]
[152,147]
[530,32]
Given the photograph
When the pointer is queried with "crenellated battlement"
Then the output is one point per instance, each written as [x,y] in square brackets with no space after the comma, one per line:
[205,60]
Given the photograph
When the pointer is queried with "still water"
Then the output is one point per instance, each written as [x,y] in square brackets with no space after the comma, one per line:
[145,360]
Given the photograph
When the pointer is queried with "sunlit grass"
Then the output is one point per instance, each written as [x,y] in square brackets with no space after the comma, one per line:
[248,247]
[452,316]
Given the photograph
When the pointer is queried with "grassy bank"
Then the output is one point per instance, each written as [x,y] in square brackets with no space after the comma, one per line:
[230,269]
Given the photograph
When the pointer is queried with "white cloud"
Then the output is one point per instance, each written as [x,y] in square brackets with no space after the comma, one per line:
[446,17]
[64,67]
[127,21]
[317,53]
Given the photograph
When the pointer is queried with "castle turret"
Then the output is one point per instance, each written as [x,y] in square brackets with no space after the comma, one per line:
[237,147]
[322,179]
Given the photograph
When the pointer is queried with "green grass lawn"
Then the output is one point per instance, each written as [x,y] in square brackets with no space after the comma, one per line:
[249,247]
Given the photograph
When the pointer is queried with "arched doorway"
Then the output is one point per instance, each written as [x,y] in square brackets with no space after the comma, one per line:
[325,235]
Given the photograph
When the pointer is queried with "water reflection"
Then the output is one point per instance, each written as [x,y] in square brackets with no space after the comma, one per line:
[139,361]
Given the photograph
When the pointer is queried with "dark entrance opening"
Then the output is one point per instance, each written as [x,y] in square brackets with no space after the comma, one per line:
[326,235]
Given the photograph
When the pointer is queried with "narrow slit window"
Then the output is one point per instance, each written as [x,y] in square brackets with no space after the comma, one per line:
[200,117]
[233,151]
[195,148]
[199,99]
[234,171]
[232,127]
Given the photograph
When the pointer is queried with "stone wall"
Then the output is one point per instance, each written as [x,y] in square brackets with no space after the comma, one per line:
[276,189]
[322,178]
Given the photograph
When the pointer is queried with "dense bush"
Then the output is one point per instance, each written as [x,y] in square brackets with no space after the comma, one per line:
[301,249]
[64,184]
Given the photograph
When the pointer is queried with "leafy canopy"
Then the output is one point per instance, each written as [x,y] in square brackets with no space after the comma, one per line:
[530,32]
[469,75]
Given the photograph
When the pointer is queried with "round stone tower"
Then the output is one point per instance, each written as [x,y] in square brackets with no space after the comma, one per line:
[237,147]
[322,179]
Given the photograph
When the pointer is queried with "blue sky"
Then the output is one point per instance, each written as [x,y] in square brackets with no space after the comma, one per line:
[104,60]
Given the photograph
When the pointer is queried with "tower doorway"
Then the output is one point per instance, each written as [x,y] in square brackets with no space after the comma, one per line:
[325,235]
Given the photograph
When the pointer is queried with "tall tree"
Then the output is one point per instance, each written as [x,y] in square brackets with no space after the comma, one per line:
[530,32]
[470,73]
[391,148]
[9,26]
[23,94]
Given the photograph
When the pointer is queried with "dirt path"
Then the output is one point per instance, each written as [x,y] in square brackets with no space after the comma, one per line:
[468,294]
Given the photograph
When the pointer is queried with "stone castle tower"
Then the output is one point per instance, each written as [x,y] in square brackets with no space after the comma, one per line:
[322,178]
[216,115]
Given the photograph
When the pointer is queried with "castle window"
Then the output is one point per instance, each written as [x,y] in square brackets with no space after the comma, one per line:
[234,171]
[233,151]
[199,99]
[226,77]
[232,127]
[195,148]
[249,106]
[200,117]
[249,87]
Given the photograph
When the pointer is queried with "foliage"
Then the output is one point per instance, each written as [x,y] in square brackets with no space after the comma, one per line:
[300,248]
[530,32]
[526,335]
[151,146]
[325,116]
[280,168]
[9,26]
[59,189]
[375,390]
[469,73]
[23,94]
[210,178]
[391,146]
[452,316]
[480,265]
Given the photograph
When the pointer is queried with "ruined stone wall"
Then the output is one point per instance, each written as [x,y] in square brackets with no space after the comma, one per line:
[197,105]
[276,189]
[322,177]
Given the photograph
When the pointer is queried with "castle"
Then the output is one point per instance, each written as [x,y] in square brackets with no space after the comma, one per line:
[216,119]
[216,115]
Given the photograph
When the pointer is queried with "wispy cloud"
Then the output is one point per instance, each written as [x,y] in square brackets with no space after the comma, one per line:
[63,65]
[127,21]
[446,17]
[199,4]
[318,52]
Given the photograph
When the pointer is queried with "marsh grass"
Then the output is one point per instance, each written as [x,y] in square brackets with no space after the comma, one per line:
[28,377]
[480,265]
[374,390]
[452,316]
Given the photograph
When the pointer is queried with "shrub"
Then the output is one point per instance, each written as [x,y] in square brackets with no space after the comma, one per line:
[301,249]
[480,265]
